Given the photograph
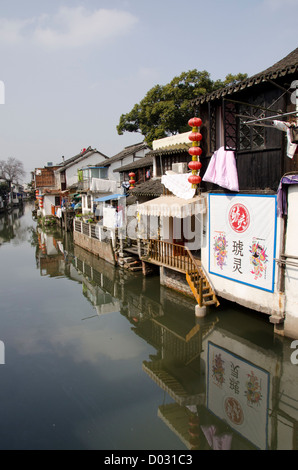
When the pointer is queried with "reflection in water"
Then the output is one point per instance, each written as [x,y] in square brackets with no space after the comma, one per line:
[10,226]
[227,382]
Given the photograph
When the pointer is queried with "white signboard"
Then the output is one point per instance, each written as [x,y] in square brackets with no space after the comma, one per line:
[242,236]
[238,393]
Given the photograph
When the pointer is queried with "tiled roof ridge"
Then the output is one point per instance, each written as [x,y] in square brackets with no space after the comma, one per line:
[289,64]
[126,151]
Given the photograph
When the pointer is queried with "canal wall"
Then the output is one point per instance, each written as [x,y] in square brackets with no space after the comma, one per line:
[174,280]
[103,249]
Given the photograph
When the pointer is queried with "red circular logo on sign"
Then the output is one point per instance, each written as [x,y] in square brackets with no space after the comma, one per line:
[234,410]
[239,218]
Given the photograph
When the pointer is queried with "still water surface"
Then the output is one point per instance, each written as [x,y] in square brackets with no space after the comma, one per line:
[101,358]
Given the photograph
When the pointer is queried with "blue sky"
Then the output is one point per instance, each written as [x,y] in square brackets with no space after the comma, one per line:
[71,68]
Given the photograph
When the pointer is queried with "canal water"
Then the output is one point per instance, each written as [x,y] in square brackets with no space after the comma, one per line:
[95,357]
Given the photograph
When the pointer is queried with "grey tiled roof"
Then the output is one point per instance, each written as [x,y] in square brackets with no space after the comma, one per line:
[79,157]
[130,150]
[152,187]
[286,66]
[140,163]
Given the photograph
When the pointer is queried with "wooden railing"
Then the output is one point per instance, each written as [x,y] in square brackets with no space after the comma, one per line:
[171,255]
[91,230]
[180,258]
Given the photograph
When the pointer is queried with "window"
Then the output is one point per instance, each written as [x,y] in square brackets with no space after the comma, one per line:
[168,160]
[238,135]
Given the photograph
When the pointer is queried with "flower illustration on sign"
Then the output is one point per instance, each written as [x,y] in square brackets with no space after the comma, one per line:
[258,259]
[220,249]
[218,370]
[239,218]
[253,392]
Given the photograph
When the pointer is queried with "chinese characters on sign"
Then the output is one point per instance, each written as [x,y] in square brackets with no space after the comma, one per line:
[237,392]
[242,238]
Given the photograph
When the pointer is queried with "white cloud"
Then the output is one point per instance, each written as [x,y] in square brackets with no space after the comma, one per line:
[12,31]
[70,27]
[280,4]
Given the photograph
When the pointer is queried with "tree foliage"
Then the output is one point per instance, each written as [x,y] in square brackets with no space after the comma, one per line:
[11,170]
[165,110]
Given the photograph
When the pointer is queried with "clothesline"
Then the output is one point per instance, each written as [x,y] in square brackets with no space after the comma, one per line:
[269,118]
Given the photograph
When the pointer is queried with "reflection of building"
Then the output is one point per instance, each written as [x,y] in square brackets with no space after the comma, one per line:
[226,390]
[250,387]
[222,387]
[10,224]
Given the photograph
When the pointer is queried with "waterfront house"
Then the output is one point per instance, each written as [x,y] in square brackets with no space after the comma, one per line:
[129,155]
[57,184]
[67,174]
[142,169]
[249,165]
[101,180]
[93,184]
[249,168]
[48,196]
[104,197]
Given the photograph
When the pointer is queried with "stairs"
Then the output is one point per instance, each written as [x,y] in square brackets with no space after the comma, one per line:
[201,288]
[180,258]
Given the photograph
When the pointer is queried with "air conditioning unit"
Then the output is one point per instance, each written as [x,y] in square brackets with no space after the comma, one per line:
[180,167]
[50,164]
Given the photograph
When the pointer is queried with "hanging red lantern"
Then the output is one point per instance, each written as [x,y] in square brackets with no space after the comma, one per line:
[195,151]
[131,180]
[195,136]
[195,165]
[195,122]
[194,179]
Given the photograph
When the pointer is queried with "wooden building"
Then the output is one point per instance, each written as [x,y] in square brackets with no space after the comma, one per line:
[239,117]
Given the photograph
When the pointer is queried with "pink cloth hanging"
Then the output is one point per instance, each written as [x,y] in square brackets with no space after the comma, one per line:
[222,170]
[217,442]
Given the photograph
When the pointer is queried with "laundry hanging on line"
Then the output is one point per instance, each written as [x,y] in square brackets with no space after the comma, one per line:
[222,170]
[284,126]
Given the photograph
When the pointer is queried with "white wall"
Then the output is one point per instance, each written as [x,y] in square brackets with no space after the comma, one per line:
[72,171]
[243,294]
[48,201]
[291,272]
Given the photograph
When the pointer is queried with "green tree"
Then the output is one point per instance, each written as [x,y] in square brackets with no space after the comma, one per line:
[165,110]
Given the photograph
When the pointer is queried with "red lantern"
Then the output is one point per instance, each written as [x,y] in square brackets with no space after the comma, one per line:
[195,122]
[195,165]
[194,179]
[195,151]
[131,179]
[195,136]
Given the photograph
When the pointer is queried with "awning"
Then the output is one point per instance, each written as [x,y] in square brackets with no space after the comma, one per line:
[110,197]
[172,206]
